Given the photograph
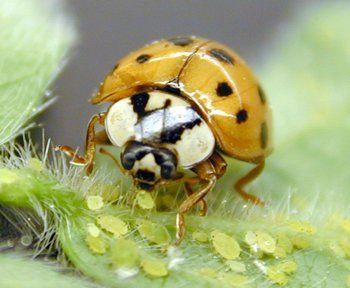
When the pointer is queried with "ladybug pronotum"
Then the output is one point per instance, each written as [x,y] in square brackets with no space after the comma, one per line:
[178,104]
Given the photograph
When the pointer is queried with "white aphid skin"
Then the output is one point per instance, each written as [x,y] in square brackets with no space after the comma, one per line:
[162,119]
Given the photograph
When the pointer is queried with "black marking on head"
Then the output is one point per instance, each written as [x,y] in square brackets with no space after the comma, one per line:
[128,160]
[139,102]
[223,89]
[145,175]
[262,95]
[172,89]
[145,186]
[167,170]
[221,55]
[241,116]
[174,134]
[181,40]
[142,58]
[264,134]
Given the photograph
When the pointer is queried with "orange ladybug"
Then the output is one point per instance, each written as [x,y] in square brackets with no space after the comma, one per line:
[177,104]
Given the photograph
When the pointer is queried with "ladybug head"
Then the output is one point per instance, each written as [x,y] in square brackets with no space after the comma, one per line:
[148,164]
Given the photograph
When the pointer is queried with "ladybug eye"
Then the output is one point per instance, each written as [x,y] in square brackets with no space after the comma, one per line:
[128,160]
[167,170]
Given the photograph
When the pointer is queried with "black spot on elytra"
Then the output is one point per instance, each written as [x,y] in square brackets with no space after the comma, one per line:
[139,102]
[263,135]
[173,135]
[223,89]
[262,95]
[142,58]
[181,40]
[145,175]
[241,116]
[221,55]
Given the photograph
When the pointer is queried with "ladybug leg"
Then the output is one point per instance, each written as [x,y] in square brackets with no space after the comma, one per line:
[189,191]
[207,176]
[219,164]
[92,139]
[246,179]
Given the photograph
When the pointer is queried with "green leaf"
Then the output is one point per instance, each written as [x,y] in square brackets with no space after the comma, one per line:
[299,239]
[17,271]
[34,41]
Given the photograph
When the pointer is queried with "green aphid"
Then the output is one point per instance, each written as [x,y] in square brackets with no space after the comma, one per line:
[124,254]
[280,252]
[250,238]
[266,242]
[302,227]
[300,242]
[200,236]
[277,276]
[113,225]
[36,164]
[287,267]
[155,268]
[155,233]
[8,176]
[94,202]
[225,245]
[144,200]
[93,230]
[96,244]
[284,242]
[236,266]
[208,272]
[234,280]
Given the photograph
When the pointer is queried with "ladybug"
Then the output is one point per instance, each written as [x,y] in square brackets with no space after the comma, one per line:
[179,104]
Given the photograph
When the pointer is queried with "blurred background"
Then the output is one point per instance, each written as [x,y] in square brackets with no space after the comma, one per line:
[108,29]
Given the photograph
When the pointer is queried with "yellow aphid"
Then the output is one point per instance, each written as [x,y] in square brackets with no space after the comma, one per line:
[277,276]
[153,232]
[234,280]
[94,202]
[300,242]
[145,200]
[200,236]
[225,245]
[284,242]
[36,164]
[265,242]
[7,176]
[96,244]
[303,227]
[236,266]
[93,230]
[113,225]
[154,268]
[288,267]
[125,254]
[250,238]
[209,272]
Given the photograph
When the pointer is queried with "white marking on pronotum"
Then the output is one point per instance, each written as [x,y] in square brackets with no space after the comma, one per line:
[196,144]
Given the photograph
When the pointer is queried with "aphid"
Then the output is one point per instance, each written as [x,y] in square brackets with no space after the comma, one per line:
[180,103]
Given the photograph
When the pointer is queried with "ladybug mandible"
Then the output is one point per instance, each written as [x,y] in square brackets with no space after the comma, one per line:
[177,104]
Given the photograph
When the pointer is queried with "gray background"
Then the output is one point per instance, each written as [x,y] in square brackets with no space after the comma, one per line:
[108,29]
